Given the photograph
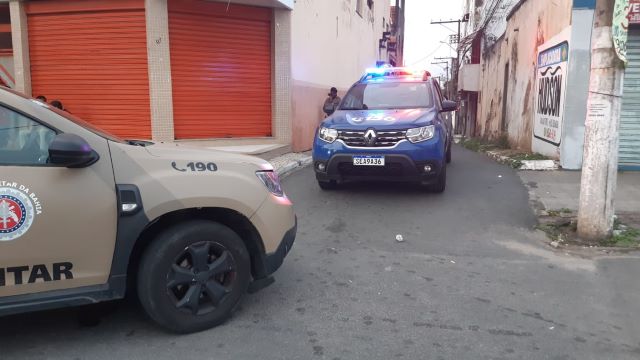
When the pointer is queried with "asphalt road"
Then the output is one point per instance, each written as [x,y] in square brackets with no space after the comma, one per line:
[471,281]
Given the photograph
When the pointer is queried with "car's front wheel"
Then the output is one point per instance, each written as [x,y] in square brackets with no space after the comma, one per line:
[193,275]
[440,184]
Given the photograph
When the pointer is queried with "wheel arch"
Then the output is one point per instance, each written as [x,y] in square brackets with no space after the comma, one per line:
[236,221]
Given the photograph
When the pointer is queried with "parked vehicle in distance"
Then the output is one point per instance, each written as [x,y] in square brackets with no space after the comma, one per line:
[389,126]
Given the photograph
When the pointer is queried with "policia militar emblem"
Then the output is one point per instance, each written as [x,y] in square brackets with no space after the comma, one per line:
[17,211]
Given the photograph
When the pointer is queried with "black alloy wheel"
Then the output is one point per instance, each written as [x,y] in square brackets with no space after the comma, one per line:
[201,277]
[193,275]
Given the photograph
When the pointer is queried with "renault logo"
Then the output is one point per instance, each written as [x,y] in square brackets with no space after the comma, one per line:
[370,137]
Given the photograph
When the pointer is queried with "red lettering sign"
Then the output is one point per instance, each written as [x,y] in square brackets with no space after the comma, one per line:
[634,12]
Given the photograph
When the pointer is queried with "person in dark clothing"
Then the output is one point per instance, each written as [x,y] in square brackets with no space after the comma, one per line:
[57,104]
[332,102]
[42,99]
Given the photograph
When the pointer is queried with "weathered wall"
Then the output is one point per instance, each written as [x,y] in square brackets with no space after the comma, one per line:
[530,25]
[332,45]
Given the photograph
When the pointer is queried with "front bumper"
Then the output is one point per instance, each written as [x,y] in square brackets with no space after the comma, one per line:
[274,261]
[399,168]
[403,163]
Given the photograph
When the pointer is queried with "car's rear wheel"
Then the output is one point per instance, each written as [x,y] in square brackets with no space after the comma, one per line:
[441,183]
[193,275]
[449,154]
[328,185]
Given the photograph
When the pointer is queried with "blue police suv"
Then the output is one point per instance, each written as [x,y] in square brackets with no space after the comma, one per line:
[389,126]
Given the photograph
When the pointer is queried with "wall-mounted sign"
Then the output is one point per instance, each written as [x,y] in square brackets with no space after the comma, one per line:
[621,16]
[634,12]
[551,81]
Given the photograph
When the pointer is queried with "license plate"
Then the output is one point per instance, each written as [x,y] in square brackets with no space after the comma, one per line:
[368,160]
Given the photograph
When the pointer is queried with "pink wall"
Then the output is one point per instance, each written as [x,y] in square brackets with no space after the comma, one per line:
[307,112]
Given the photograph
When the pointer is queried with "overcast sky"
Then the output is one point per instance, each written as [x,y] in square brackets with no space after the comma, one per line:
[422,40]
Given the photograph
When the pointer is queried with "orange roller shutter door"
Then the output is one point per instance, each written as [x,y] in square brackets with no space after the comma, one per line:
[92,56]
[221,69]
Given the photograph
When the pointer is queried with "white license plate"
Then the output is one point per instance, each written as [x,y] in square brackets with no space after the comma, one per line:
[368,160]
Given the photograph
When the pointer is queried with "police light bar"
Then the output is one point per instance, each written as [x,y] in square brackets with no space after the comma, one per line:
[372,73]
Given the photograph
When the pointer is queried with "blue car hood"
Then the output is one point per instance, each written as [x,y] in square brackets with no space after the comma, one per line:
[390,119]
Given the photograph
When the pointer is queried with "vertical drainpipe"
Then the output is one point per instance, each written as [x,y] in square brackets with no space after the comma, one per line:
[575,110]
[20,39]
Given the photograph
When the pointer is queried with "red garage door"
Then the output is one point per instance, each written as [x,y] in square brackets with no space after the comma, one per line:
[221,69]
[92,56]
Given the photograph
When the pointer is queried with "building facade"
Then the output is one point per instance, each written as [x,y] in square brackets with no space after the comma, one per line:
[333,42]
[218,73]
[529,82]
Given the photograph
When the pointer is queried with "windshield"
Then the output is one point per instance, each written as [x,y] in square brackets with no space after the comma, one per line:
[391,95]
[84,124]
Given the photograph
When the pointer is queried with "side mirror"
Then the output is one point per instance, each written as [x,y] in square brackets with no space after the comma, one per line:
[71,151]
[448,106]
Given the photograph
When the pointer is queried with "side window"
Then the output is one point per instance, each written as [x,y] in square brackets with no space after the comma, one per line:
[23,141]
[438,91]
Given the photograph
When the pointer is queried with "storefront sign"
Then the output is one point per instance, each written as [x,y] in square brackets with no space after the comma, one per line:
[634,12]
[621,15]
[551,81]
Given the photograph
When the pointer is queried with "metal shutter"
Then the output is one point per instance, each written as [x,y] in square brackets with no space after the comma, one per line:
[221,69]
[92,56]
[629,154]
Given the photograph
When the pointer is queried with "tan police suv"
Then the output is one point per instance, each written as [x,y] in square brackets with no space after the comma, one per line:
[84,216]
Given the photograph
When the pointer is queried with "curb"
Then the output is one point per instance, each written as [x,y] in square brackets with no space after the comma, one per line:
[292,166]
[528,165]
[531,165]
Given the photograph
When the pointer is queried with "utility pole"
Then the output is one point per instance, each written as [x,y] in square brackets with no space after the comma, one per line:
[456,64]
[600,164]
[450,90]
[446,68]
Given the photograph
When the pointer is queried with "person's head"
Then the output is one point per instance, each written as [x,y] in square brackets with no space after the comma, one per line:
[333,92]
[41,98]
[57,104]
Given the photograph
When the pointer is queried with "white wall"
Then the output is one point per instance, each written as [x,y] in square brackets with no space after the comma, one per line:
[331,44]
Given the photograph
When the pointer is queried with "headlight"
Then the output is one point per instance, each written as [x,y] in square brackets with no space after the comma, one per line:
[328,135]
[272,181]
[421,134]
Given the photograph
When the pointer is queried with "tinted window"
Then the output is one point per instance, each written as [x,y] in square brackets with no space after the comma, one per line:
[22,140]
[391,95]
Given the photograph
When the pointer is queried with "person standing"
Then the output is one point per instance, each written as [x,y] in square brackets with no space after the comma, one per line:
[332,102]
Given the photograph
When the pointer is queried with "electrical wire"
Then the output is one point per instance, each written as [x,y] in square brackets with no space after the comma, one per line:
[426,57]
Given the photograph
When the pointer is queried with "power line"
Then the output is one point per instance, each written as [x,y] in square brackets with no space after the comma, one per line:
[426,57]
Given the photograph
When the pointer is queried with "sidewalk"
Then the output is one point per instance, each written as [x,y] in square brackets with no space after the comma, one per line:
[288,163]
[284,162]
[556,190]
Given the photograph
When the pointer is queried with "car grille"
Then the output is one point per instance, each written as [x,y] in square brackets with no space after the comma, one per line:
[387,138]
